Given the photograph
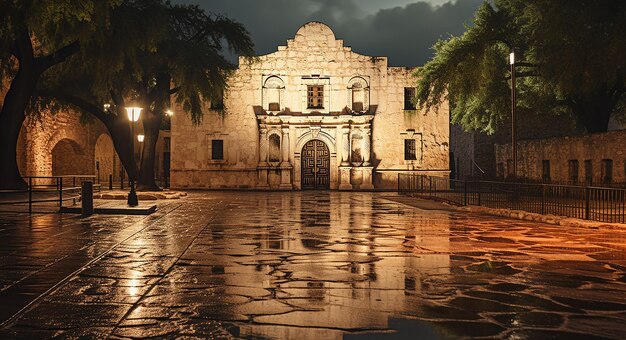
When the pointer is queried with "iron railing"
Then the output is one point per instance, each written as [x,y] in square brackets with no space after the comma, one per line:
[584,202]
[45,193]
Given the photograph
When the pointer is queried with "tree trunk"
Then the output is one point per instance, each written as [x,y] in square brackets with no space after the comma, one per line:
[16,101]
[152,125]
[11,120]
[120,134]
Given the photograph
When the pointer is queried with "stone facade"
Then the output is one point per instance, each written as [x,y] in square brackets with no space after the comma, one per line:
[58,145]
[62,145]
[474,153]
[315,89]
[593,158]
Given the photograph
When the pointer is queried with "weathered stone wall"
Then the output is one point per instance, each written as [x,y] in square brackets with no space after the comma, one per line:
[529,126]
[41,136]
[271,92]
[559,151]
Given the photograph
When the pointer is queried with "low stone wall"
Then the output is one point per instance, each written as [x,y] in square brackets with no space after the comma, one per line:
[559,151]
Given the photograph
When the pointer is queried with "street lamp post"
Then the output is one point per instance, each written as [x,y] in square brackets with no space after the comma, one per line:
[140,139]
[513,118]
[133,116]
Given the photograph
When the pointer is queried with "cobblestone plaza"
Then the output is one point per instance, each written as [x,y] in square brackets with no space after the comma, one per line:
[301,265]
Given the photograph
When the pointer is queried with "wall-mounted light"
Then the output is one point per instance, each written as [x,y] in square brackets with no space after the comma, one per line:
[140,138]
[169,113]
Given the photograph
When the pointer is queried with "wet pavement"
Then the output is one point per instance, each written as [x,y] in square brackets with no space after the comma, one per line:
[307,265]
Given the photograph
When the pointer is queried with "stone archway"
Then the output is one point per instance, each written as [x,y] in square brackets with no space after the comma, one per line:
[329,141]
[69,158]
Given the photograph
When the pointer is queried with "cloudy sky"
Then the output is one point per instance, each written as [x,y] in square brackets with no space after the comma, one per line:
[403,30]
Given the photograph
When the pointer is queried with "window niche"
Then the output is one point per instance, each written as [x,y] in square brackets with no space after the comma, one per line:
[315,96]
[274,148]
[357,153]
[572,166]
[409,95]
[358,91]
[217,149]
[273,94]
[413,146]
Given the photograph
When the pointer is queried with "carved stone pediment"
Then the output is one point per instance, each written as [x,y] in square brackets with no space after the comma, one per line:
[315,131]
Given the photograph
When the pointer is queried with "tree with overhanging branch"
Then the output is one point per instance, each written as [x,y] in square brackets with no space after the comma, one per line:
[569,62]
[36,36]
[181,54]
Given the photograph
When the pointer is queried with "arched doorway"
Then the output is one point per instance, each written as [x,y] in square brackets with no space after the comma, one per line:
[315,163]
[68,158]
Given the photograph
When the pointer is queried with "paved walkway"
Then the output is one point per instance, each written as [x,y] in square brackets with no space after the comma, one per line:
[307,265]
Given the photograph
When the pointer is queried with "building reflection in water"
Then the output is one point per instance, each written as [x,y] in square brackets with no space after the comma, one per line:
[328,260]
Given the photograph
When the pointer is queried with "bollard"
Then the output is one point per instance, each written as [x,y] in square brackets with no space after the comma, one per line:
[87,199]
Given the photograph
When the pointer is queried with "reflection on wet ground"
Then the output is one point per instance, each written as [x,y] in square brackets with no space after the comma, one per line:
[324,265]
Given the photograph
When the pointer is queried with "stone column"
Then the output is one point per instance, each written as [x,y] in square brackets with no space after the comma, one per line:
[285,165]
[285,147]
[262,169]
[263,147]
[345,147]
[344,169]
[367,146]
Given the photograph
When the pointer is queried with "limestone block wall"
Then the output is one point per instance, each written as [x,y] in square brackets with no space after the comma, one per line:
[58,144]
[394,124]
[277,84]
[559,151]
[192,165]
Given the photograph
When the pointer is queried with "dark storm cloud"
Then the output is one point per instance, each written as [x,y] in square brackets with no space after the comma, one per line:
[405,34]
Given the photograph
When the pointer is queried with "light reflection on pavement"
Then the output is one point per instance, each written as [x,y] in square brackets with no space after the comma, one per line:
[299,265]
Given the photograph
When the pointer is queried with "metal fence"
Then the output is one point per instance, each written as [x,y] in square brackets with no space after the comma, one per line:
[584,202]
[45,193]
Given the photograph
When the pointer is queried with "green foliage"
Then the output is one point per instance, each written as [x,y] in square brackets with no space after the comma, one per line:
[569,60]
[149,45]
[52,24]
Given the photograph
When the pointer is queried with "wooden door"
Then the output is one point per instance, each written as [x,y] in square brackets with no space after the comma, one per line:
[315,165]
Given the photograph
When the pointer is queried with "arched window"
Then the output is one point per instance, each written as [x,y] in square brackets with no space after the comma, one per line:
[358,91]
[274,144]
[272,93]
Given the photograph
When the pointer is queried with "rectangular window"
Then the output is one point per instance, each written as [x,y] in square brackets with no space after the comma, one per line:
[315,96]
[572,166]
[218,103]
[545,171]
[607,171]
[410,150]
[588,171]
[217,149]
[409,94]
